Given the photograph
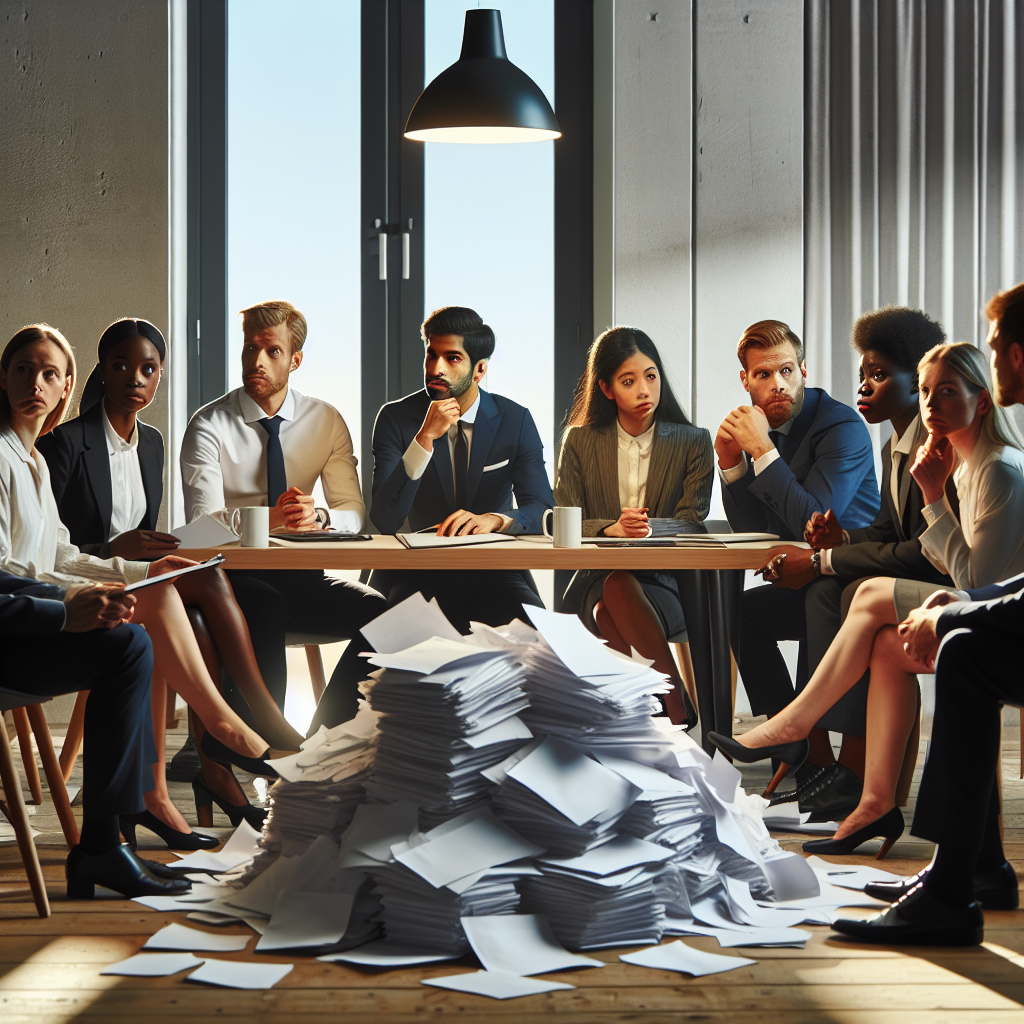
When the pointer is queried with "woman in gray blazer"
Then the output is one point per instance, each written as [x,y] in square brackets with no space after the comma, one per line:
[630,458]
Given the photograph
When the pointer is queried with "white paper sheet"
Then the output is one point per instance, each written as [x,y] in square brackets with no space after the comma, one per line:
[740,935]
[482,843]
[621,853]
[850,876]
[788,817]
[504,732]
[381,953]
[179,936]
[237,850]
[520,944]
[261,893]
[236,974]
[496,985]
[204,532]
[153,965]
[306,919]
[376,828]
[410,622]
[573,783]
[575,646]
[677,956]
[431,540]
[430,655]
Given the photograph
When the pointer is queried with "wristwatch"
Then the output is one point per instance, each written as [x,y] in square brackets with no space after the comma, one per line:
[323,518]
[816,562]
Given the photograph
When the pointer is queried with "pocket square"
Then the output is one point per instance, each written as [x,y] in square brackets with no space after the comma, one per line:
[497,465]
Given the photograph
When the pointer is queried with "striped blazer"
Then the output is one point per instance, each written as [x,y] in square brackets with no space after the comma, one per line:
[679,477]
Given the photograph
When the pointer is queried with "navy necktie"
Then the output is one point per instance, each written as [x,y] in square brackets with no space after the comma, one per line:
[461,467]
[277,482]
[778,439]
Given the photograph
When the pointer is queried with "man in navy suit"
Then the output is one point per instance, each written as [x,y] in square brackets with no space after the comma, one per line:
[451,458]
[792,452]
[976,645]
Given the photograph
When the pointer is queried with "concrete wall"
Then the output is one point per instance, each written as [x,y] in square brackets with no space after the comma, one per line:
[698,181]
[84,170]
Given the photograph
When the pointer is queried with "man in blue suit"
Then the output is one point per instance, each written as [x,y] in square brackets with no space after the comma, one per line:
[451,458]
[792,452]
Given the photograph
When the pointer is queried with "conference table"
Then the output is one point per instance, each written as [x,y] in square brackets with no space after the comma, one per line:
[710,577]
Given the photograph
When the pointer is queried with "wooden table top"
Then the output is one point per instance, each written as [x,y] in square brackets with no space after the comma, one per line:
[387,552]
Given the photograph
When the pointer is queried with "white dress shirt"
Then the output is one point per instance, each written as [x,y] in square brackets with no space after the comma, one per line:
[634,465]
[986,544]
[416,458]
[33,540]
[128,496]
[224,457]
[761,463]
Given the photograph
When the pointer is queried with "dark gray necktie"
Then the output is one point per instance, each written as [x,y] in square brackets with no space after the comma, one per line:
[778,439]
[461,461]
[277,482]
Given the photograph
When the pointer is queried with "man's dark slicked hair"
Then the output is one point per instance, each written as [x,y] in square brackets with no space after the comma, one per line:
[900,334]
[477,337]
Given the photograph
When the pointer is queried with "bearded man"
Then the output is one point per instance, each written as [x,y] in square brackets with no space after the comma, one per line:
[793,452]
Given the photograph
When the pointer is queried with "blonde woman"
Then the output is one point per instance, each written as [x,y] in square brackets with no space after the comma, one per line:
[982,545]
[37,377]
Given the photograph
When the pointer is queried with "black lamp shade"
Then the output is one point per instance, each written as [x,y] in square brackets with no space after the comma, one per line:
[483,96]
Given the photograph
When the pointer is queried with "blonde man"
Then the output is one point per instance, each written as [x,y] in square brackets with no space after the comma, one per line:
[266,444]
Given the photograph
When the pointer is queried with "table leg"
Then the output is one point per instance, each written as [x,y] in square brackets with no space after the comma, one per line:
[693,595]
[721,611]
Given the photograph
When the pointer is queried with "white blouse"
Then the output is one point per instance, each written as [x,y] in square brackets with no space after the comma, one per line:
[33,540]
[634,465]
[128,495]
[986,544]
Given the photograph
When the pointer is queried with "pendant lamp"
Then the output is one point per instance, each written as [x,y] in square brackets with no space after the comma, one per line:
[483,96]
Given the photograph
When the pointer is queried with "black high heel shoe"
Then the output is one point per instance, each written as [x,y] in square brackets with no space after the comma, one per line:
[174,839]
[217,751]
[118,869]
[792,755]
[206,798]
[890,826]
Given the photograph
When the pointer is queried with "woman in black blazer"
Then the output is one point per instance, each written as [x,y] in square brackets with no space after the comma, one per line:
[109,499]
[630,455]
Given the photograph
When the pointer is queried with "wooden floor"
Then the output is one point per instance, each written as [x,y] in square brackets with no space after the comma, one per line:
[49,970]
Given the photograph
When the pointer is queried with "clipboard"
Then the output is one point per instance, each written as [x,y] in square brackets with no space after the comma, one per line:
[165,576]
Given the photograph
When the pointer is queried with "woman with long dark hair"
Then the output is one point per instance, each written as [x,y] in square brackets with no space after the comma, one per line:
[106,472]
[629,455]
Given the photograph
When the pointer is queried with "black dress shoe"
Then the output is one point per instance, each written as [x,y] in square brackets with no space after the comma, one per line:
[919,919]
[118,869]
[806,775]
[833,795]
[792,755]
[174,839]
[217,751]
[995,889]
[890,826]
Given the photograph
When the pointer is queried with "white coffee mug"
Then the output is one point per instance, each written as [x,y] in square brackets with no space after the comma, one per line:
[568,526]
[252,524]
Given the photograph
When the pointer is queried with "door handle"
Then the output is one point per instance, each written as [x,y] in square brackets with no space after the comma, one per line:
[406,251]
[382,255]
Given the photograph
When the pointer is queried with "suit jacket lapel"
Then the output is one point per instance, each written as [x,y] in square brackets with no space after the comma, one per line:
[442,463]
[151,465]
[607,451]
[905,482]
[97,462]
[488,419]
[808,414]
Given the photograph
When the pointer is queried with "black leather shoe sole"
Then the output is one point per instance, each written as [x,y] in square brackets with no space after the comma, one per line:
[994,890]
[922,934]
[118,869]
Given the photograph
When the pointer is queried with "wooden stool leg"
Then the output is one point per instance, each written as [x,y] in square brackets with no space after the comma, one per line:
[315,661]
[73,737]
[906,776]
[1021,743]
[685,663]
[27,759]
[14,808]
[54,776]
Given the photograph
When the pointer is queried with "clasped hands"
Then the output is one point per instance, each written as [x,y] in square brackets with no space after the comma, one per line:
[791,566]
[919,630]
[745,429]
[632,522]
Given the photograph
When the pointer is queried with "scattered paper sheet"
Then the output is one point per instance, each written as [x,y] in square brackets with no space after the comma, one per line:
[260,894]
[574,644]
[237,850]
[179,936]
[621,853]
[377,827]
[236,974]
[306,919]
[740,935]
[520,944]
[204,532]
[481,843]
[410,622]
[850,876]
[496,985]
[383,954]
[430,655]
[153,965]
[677,956]
[161,903]
[504,732]
[788,817]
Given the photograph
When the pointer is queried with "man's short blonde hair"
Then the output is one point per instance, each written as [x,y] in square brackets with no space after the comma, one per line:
[768,334]
[265,315]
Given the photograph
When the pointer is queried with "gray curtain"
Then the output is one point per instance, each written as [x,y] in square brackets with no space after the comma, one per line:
[914,116]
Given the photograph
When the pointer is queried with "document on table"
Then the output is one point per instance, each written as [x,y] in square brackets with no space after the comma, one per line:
[204,532]
[179,936]
[496,984]
[520,944]
[416,541]
[306,919]
[153,965]
[237,974]
[677,956]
